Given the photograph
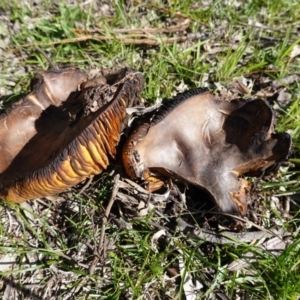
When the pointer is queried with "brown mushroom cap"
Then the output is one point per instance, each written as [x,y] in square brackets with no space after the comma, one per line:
[64,131]
[208,143]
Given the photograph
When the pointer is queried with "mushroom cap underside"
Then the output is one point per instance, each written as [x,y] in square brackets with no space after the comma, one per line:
[65,130]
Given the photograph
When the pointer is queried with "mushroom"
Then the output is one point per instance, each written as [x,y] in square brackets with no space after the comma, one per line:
[209,143]
[64,131]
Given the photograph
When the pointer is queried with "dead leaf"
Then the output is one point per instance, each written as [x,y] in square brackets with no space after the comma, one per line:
[275,245]
[191,286]
[285,81]
[7,262]
[295,52]
[156,236]
[284,98]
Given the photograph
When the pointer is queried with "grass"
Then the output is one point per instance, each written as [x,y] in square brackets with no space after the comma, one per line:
[54,243]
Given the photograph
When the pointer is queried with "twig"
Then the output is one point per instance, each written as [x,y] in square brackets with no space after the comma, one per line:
[49,60]
[108,208]
[71,259]
[153,41]
[225,236]
[286,194]
[241,219]
[272,39]
[10,285]
[101,245]
[86,186]
[134,31]
[79,287]
[269,29]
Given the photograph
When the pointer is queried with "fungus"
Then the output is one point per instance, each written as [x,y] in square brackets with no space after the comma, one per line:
[64,131]
[207,143]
